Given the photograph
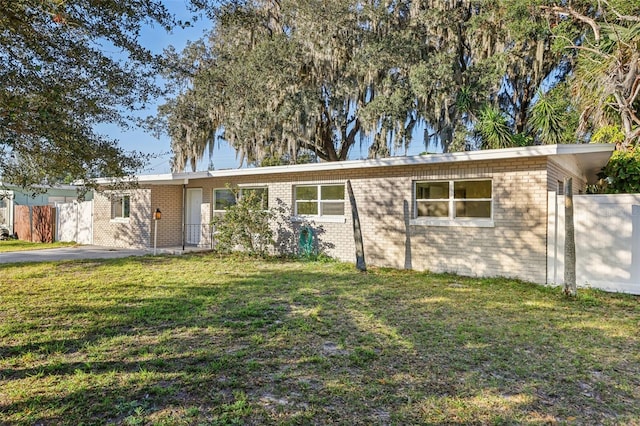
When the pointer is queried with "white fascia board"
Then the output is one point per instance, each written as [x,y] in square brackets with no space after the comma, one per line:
[53,186]
[585,148]
[483,155]
[159,179]
[171,178]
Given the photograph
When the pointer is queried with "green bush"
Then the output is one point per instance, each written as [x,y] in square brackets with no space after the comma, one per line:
[244,226]
[622,174]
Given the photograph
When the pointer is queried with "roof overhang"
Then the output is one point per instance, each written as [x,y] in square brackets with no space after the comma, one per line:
[590,162]
[10,186]
[589,157]
[158,179]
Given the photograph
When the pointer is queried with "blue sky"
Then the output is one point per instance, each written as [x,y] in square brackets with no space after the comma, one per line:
[157,39]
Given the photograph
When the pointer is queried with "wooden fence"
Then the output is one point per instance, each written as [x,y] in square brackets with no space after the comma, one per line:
[35,223]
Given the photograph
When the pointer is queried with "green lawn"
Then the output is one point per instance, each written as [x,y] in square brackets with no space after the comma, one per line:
[199,339]
[18,245]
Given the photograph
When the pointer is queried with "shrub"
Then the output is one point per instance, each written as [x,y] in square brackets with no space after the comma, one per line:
[622,173]
[244,226]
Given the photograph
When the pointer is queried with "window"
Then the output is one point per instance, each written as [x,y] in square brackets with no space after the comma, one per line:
[472,198]
[319,200]
[52,201]
[454,200]
[120,207]
[261,195]
[4,211]
[223,199]
[432,199]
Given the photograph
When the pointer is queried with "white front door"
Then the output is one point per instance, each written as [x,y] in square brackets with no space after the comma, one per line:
[193,216]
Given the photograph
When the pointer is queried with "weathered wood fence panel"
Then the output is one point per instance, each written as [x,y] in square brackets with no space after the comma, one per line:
[35,223]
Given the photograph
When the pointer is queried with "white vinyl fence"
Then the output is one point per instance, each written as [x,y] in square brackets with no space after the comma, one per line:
[75,222]
[607,230]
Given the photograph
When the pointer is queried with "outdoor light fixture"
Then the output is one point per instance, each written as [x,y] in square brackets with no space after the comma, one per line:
[157,215]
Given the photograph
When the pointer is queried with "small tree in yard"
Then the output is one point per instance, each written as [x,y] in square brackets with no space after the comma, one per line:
[244,226]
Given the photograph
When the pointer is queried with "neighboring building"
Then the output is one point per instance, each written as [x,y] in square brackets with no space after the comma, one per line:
[480,213]
[12,196]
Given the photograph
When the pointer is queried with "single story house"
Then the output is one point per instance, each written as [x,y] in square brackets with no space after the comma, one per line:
[481,213]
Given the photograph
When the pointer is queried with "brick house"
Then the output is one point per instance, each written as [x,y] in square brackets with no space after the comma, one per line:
[481,213]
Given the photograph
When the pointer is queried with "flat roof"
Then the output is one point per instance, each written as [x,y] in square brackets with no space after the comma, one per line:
[12,187]
[591,158]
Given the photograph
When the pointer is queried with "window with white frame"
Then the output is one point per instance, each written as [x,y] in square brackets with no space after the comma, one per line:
[5,208]
[260,194]
[4,211]
[223,199]
[120,206]
[454,199]
[319,200]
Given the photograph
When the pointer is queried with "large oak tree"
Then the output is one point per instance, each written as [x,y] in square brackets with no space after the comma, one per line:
[282,77]
[67,66]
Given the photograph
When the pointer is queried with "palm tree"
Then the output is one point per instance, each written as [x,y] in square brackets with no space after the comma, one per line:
[494,129]
[606,83]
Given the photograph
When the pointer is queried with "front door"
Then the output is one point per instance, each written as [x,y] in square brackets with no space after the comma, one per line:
[193,218]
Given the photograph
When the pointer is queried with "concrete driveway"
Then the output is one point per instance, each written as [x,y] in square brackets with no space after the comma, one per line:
[69,253]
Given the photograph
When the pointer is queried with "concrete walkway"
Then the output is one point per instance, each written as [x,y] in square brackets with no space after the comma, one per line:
[69,253]
[88,252]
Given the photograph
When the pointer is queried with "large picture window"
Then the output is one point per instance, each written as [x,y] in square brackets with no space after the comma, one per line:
[461,200]
[319,200]
[225,198]
[120,207]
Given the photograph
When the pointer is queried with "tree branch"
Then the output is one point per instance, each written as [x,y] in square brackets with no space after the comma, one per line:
[620,16]
[589,49]
[349,140]
[559,10]
[635,91]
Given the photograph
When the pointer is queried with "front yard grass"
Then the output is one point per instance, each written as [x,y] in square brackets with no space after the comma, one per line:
[201,339]
[19,245]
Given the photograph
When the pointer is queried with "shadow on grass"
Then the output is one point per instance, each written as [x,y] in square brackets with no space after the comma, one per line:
[270,342]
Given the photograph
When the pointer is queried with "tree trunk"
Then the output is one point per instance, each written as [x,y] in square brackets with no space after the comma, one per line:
[570,287]
[357,233]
